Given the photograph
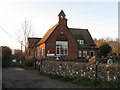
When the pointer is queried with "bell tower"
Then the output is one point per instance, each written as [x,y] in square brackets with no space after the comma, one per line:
[62,19]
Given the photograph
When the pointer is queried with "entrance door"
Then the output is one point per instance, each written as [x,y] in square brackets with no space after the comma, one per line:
[91,53]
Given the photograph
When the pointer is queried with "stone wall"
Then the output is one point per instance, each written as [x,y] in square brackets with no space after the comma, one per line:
[78,69]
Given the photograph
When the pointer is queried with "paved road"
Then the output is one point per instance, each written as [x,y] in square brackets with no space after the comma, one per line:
[20,78]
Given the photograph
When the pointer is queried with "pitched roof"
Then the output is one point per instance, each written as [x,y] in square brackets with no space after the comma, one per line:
[82,34]
[61,13]
[33,41]
[46,36]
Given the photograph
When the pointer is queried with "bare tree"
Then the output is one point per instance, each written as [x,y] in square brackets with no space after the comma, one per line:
[26,27]
[25,32]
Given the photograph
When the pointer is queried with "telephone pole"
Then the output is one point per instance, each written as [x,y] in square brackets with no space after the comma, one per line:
[21,49]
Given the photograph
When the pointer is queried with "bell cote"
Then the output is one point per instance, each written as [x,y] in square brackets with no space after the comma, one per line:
[62,19]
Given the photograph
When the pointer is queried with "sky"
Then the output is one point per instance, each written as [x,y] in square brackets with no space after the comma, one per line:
[100,17]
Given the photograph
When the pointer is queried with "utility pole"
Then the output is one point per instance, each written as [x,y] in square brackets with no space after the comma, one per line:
[21,50]
[118,45]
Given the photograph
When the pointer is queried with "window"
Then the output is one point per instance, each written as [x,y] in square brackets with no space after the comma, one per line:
[42,51]
[92,53]
[35,53]
[61,48]
[80,41]
[61,17]
[38,52]
[84,53]
[80,53]
[48,51]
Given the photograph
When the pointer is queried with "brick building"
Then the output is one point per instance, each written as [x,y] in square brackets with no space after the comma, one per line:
[31,47]
[65,42]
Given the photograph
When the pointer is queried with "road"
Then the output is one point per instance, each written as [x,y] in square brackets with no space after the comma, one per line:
[20,78]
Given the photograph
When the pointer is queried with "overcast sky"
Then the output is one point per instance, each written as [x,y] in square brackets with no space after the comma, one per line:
[100,18]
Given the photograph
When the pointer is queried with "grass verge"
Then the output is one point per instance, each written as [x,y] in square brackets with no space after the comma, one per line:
[84,82]
[21,65]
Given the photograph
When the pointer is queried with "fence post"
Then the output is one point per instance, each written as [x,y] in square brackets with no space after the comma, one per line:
[96,64]
[41,64]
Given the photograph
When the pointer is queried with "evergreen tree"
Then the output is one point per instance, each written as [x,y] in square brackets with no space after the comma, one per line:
[104,49]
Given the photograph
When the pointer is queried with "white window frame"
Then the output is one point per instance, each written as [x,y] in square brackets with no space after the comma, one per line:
[60,47]
[42,52]
[80,41]
[84,52]
[38,52]
[35,53]
[79,53]
[48,51]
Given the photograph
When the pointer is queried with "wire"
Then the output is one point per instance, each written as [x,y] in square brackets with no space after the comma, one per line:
[11,36]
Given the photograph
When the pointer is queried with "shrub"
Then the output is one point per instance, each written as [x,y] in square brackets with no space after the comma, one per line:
[29,62]
[6,56]
[104,49]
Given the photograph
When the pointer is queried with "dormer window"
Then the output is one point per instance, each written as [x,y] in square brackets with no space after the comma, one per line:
[80,41]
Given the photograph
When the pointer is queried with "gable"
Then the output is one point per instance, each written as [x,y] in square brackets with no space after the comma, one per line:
[61,33]
[47,35]
[32,42]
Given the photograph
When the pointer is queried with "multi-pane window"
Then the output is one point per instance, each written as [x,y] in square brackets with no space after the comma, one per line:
[80,41]
[80,53]
[35,53]
[61,48]
[42,51]
[38,52]
[84,53]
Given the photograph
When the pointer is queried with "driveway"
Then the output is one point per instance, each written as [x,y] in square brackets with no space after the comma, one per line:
[20,78]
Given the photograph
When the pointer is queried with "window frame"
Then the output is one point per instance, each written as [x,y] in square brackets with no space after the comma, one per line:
[80,42]
[42,51]
[35,53]
[85,52]
[59,48]
[79,53]
[38,52]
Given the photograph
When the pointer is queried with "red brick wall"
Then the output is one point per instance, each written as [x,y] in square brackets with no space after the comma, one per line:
[88,52]
[38,47]
[40,51]
[72,44]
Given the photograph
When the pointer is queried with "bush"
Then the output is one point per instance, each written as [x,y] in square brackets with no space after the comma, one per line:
[6,56]
[104,49]
[29,62]
[16,64]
